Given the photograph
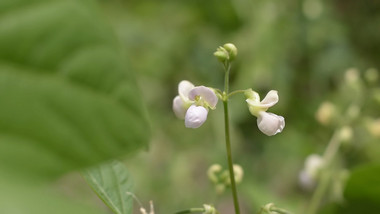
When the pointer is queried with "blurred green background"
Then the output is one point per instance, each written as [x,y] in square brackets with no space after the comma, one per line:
[302,48]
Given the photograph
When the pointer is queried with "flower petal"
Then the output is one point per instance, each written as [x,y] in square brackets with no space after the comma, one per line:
[269,123]
[184,88]
[270,99]
[306,181]
[195,116]
[179,107]
[313,164]
[206,94]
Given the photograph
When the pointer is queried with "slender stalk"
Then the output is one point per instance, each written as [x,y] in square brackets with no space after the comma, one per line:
[236,92]
[323,184]
[191,210]
[227,138]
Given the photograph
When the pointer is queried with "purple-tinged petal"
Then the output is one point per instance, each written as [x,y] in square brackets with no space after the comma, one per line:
[195,116]
[206,94]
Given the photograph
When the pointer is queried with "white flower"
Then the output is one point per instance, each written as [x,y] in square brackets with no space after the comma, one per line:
[309,174]
[269,123]
[182,102]
[193,103]
[195,116]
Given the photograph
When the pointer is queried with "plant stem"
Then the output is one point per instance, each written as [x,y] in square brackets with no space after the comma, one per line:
[236,92]
[191,210]
[228,142]
[323,184]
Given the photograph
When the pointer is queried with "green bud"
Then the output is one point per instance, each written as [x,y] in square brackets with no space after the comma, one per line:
[209,209]
[249,94]
[221,54]
[220,188]
[345,133]
[213,171]
[239,173]
[231,49]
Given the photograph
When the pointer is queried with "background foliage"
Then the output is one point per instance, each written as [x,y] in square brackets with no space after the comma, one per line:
[70,74]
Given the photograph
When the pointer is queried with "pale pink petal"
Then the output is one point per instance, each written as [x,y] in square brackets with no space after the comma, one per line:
[195,116]
[270,99]
[269,123]
[184,88]
[206,94]
[179,107]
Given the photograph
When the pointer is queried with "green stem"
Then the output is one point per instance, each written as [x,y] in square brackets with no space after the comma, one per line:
[191,210]
[236,92]
[323,184]
[228,142]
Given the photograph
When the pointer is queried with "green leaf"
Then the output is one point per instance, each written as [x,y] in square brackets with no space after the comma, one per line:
[111,182]
[362,193]
[22,198]
[67,99]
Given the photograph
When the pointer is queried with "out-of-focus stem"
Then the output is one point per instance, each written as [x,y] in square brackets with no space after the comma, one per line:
[323,184]
[191,210]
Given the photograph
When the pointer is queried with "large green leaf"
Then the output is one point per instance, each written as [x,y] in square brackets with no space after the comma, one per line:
[67,100]
[112,183]
[23,198]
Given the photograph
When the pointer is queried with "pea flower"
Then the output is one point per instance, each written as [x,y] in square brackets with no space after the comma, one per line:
[193,103]
[269,123]
[309,174]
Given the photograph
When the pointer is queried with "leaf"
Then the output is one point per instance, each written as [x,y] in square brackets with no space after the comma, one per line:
[111,182]
[67,99]
[362,191]
[21,198]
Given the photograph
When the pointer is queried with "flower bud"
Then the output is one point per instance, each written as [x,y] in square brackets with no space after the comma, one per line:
[231,49]
[373,127]
[239,173]
[351,76]
[313,164]
[209,209]
[345,134]
[220,188]
[221,54]
[268,207]
[213,171]
[325,113]
[306,181]
[309,174]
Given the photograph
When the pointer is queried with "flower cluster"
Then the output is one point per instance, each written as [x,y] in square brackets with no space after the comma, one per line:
[193,103]
[220,177]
